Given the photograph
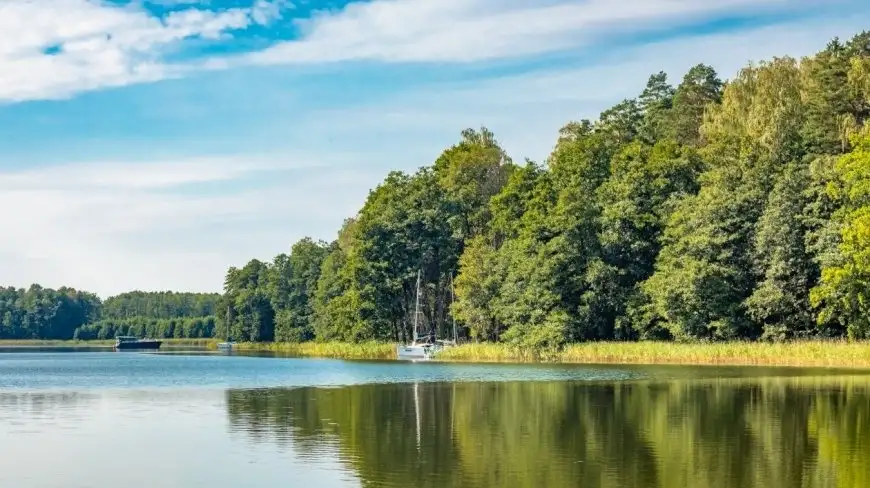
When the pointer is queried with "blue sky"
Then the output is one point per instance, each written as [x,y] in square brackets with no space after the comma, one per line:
[152,144]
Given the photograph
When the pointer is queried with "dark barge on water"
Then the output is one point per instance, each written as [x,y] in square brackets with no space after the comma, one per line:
[129,342]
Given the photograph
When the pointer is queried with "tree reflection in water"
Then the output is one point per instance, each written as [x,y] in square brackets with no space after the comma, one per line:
[770,433]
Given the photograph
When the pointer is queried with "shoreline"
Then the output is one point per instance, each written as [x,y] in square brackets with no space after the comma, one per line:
[26,343]
[817,353]
[828,354]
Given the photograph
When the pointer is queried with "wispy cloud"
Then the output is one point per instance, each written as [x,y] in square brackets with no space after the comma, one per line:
[103,227]
[55,48]
[159,175]
[472,30]
[108,226]
[526,110]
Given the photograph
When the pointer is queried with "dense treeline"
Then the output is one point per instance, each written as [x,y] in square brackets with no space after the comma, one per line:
[161,305]
[702,211]
[178,328]
[708,210]
[44,313]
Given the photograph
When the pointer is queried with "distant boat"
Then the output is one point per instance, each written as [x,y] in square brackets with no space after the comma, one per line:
[427,346]
[228,345]
[131,342]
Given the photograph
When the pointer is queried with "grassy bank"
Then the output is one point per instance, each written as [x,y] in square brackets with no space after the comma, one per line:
[100,343]
[338,350]
[52,343]
[804,353]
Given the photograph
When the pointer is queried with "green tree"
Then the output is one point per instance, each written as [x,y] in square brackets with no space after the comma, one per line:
[844,291]
[656,103]
[700,88]
[471,173]
[780,302]
[248,312]
[292,284]
[636,202]
[404,228]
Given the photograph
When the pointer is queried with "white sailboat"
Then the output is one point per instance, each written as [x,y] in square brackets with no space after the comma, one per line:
[421,348]
[425,347]
[228,345]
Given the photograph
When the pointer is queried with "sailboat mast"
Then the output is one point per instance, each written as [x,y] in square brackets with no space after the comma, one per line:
[452,298]
[417,306]
[228,324]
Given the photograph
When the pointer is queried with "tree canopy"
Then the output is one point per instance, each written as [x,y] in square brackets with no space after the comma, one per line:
[706,210]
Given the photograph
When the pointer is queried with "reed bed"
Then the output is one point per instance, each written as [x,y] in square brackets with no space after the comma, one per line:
[836,353]
[53,343]
[488,352]
[206,343]
[799,353]
[101,343]
[336,350]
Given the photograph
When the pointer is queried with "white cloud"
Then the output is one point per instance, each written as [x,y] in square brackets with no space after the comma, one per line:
[99,45]
[471,30]
[107,45]
[109,228]
[526,110]
[159,175]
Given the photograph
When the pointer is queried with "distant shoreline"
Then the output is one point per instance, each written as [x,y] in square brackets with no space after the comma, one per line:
[834,354]
[13,343]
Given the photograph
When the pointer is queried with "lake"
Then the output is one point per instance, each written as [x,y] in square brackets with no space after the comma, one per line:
[176,419]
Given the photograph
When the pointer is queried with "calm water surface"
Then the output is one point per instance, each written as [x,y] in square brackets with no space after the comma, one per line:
[103,419]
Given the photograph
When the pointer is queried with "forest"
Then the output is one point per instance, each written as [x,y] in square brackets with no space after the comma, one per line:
[65,313]
[706,210]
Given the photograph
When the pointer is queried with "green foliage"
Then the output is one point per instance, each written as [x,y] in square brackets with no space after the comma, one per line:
[656,103]
[246,308]
[161,305]
[471,173]
[844,289]
[477,290]
[178,328]
[291,286]
[700,89]
[43,313]
[780,301]
[705,211]
[701,275]
[336,304]
[64,314]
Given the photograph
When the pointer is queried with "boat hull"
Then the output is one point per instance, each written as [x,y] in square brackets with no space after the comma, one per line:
[152,345]
[415,353]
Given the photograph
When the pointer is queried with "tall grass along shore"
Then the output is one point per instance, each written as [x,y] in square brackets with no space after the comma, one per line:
[101,343]
[338,350]
[839,353]
[801,353]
